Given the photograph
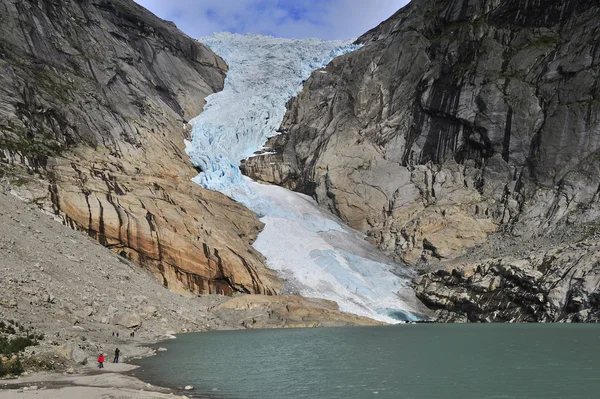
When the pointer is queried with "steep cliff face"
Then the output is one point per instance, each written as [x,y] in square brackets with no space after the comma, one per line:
[560,284]
[95,96]
[454,119]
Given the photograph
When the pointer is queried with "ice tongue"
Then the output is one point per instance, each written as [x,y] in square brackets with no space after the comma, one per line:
[313,251]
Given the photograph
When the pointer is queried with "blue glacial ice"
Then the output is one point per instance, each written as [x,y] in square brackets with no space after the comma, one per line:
[314,252]
[264,73]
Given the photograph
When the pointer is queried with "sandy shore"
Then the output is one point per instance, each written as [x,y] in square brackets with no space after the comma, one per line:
[92,383]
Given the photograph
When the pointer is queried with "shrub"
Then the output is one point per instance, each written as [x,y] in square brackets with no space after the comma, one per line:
[20,343]
[14,345]
[15,367]
[4,345]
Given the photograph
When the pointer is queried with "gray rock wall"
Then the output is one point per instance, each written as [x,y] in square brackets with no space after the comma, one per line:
[462,135]
[559,285]
[95,96]
[480,114]
[91,72]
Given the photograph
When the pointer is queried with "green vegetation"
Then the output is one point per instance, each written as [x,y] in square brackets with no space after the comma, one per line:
[15,345]
[12,366]
[14,338]
[18,176]
[547,41]
[32,148]
[464,29]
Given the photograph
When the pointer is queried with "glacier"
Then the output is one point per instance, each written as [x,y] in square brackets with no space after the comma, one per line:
[313,251]
[264,73]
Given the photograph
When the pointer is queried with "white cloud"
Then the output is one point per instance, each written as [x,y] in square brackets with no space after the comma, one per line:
[326,19]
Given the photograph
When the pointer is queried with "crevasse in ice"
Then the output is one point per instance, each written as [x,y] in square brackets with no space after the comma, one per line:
[264,73]
[315,253]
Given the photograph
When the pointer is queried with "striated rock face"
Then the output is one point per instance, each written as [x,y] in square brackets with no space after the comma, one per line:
[95,96]
[288,311]
[562,284]
[457,118]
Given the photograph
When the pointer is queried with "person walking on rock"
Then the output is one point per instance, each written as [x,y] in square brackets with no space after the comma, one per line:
[116,359]
[101,361]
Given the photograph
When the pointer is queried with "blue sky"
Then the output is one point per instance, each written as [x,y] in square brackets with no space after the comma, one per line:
[326,19]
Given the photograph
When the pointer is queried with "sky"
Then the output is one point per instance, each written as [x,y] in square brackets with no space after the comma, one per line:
[325,19]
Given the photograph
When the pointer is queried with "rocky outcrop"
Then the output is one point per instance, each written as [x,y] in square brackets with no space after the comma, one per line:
[288,311]
[77,299]
[562,284]
[95,96]
[457,118]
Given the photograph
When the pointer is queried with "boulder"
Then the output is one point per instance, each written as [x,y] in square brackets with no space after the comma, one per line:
[140,299]
[149,311]
[74,353]
[112,310]
[85,313]
[128,320]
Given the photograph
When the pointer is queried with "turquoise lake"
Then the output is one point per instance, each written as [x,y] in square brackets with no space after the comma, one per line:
[419,361]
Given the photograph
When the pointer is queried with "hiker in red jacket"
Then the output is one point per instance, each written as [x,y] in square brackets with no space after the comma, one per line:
[101,361]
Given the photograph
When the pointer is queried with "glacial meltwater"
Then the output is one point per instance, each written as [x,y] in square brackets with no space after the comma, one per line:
[418,361]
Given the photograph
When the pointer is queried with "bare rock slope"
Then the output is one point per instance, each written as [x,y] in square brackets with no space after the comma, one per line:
[455,120]
[83,299]
[95,96]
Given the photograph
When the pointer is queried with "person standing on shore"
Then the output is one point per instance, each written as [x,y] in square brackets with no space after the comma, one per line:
[101,361]
[116,359]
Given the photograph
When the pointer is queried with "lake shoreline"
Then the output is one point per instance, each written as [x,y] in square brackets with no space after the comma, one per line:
[554,361]
[91,382]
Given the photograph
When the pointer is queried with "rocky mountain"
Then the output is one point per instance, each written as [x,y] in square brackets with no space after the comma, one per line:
[75,295]
[95,96]
[463,134]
